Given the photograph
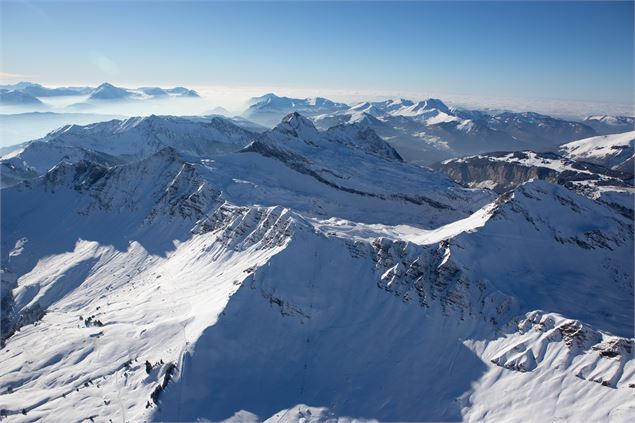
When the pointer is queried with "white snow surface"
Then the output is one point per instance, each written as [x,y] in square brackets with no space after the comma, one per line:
[613,151]
[312,276]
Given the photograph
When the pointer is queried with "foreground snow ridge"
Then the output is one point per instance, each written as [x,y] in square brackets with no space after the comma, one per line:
[310,276]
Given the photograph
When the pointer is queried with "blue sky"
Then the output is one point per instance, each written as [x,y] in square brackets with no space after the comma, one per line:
[569,50]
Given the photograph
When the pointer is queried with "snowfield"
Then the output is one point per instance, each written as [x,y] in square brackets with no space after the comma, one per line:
[176,270]
[615,151]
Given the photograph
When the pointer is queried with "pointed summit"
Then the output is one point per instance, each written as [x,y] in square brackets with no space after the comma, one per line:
[296,125]
[430,104]
[108,91]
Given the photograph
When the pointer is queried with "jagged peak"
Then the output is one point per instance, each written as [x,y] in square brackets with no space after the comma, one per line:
[431,103]
[296,125]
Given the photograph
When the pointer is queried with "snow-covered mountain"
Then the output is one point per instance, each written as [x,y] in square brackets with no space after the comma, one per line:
[311,275]
[108,91]
[182,92]
[539,130]
[606,124]
[109,94]
[269,109]
[429,131]
[162,92]
[29,92]
[17,98]
[613,151]
[37,90]
[119,141]
[506,170]
[140,136]
[153,91]
[236,120]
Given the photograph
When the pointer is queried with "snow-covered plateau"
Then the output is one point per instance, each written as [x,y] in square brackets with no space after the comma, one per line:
[188,269]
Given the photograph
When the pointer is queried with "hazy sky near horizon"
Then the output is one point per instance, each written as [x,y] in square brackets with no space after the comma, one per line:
[569,50]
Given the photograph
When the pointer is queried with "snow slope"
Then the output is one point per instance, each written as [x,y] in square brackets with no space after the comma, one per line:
[614,151]
[283,282]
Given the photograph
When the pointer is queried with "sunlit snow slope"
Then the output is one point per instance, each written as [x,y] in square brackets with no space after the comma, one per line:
[310,275]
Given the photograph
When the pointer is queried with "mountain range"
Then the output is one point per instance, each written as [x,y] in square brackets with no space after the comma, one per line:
[190,269]
[28,93]
[586,165]
[428,131]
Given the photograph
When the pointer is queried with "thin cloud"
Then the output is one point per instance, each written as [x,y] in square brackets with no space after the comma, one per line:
[104,63]
[13,77]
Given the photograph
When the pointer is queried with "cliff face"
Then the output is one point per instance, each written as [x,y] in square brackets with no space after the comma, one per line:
[504,171]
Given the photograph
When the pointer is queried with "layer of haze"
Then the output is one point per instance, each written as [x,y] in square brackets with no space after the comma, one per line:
[567,59]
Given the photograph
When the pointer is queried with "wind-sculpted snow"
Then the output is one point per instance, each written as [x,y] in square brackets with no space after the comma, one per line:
[310,275]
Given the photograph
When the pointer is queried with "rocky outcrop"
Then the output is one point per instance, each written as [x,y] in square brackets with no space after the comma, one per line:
[504,171]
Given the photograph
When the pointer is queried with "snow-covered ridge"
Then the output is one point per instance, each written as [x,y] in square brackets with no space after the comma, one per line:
[615,151]
[606,124]
[506,170]
[120,141]
[357,136]
[429,131]
[269,108]
[183,287]
[105,91]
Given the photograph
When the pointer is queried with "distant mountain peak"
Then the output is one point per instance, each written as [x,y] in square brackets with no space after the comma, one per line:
[430,104]
[269,108]
[107,91]
[400,102]
[296,125]
[17,98]
[182,92]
